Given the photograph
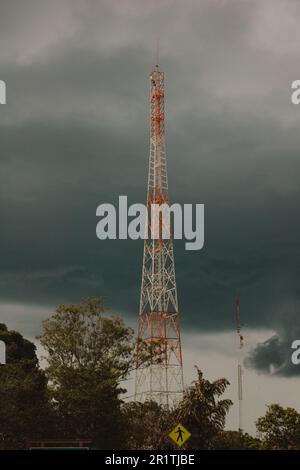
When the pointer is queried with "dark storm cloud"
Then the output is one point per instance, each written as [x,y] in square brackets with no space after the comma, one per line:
[274,355]
[74,134]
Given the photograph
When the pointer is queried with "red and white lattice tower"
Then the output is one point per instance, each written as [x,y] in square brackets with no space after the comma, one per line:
[161,380]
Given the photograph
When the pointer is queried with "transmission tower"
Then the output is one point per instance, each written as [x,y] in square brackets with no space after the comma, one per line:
[239,367]
[161,378]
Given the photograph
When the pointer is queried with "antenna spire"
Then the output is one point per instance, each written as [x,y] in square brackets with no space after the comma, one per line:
[239,367]
[157,51]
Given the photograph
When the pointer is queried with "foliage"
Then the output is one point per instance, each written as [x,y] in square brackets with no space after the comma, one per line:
[199,411]
[202,413]
[235,440]
[79,395]
[280,428]
[88,355]
[24,402]
[147,425]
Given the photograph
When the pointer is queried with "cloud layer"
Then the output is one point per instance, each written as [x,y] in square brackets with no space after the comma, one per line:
[74,134]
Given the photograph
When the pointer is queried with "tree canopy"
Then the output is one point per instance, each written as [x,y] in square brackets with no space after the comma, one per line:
[80,393]
[280,428]
[24,400]
[88,355]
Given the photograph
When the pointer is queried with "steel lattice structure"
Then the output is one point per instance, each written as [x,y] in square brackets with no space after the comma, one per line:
[158,324]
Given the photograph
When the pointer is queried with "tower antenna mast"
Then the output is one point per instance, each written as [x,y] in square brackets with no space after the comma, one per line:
[239,354]
[157,50]
[158,321]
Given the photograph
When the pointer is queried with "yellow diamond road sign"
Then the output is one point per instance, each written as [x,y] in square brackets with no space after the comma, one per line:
[179,435]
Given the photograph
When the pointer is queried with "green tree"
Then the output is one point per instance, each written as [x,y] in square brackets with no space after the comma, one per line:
[235,440]
[202,413]
[88,356]
[24,402]
[147,425]
[280,428]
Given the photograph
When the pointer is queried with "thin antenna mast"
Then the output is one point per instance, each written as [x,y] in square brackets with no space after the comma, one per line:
[239,367]
[157,51]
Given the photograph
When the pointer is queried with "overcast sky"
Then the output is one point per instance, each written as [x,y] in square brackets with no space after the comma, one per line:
[75,133]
